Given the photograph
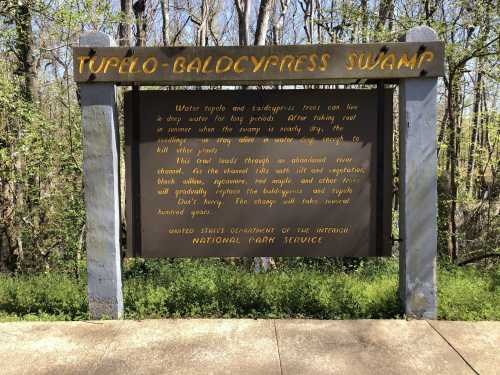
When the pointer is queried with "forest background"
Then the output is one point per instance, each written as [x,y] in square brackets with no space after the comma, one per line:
[42,212]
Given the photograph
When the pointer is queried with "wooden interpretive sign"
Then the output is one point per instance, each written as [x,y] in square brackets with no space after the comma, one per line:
[258,64]
[256,173]
[259,172]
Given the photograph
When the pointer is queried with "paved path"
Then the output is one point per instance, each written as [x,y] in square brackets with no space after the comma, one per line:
[291,347]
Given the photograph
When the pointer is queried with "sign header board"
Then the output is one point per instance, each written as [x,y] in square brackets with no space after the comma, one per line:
[292,64]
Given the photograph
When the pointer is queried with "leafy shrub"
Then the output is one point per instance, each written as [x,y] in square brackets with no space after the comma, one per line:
[211,288]
[51,295]
[468,294]
[207,288]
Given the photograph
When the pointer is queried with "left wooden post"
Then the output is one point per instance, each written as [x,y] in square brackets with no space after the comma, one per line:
[101,184]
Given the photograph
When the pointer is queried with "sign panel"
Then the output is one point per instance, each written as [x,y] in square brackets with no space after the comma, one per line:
[258,173]
[324,63]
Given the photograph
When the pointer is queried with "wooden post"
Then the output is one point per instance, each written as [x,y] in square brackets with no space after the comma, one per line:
[101,183]
[418,188]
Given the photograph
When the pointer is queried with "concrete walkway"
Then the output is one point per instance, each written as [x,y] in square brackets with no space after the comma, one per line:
[292,347]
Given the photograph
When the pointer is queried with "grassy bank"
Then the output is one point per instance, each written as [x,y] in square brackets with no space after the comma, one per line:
[210,288]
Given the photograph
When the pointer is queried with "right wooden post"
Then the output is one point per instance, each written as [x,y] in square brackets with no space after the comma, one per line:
[418,188]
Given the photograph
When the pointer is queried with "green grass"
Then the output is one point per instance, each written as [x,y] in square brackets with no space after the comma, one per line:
[213,289]
[469,294]
[42,297]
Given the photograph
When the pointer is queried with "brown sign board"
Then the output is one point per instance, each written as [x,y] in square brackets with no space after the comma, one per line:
[326,63]
[258,172]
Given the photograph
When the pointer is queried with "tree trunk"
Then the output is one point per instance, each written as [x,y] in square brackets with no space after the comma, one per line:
[319,33]
[474,132]
[452,224]
[14,195]
[125,28]
[6,218]
[429,9]
[165,18]
[459,108]
[280,23]
[481,139]
[25,49]
[202,32]
[243,10]
[140,23]
[265,10]
[364,21]
[442,131]
[384,11]
[307,9]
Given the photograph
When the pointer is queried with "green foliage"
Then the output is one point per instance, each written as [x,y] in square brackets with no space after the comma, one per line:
[40,162]
[469,293]
[186,288]
[212,289]
[42,297]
